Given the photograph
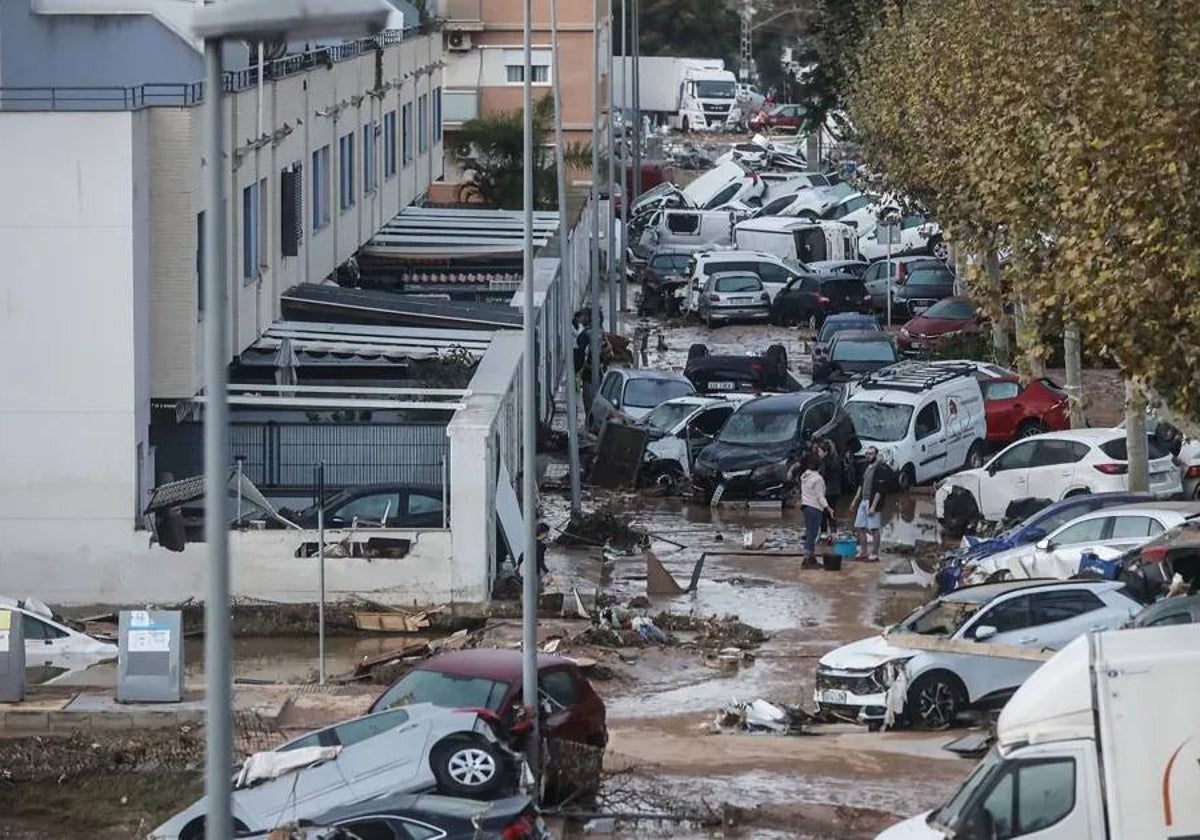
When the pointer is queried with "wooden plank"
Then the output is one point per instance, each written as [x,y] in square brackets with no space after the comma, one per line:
[914,641]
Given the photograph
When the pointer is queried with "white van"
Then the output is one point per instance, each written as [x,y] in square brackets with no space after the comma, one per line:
[926,420]
[797,239]
[689,228]
[1102,742]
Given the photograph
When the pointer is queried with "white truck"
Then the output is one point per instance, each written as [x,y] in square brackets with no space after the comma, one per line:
[688,94]
[1102,743]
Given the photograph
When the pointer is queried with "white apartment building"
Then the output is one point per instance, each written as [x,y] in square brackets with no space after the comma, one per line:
[101,213]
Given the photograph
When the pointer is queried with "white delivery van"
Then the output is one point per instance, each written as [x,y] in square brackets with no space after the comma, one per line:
[797,239]
[926,420]
[1102,742]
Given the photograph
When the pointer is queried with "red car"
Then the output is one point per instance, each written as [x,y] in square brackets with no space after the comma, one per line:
[1015,411]
[781,116]
[948,318]
[490,678]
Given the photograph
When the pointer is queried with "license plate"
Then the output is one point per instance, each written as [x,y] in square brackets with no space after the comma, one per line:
[721,386]
[838,698]
[741,300]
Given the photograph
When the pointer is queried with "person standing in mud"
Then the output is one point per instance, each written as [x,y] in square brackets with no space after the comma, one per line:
[831,471]
[813,505]
[868,504]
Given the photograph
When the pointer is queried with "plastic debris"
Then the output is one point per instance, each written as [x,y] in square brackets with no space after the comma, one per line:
[761,716]
[648,631]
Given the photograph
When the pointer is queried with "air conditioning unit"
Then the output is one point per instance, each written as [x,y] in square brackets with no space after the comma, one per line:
[458,41]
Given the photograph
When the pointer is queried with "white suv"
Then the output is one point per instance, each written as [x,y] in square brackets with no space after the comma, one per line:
[774,272]
[859,681]
[1056,465]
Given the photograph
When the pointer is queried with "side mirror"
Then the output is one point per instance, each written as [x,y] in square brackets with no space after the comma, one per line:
[984,632]
[1034,534]
[1044,544]
[991,468]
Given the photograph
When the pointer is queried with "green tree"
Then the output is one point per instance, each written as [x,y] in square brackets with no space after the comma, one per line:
[491,151]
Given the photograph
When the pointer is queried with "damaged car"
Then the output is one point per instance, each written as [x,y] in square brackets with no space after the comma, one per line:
[678,430]
[758,451]
[878,681]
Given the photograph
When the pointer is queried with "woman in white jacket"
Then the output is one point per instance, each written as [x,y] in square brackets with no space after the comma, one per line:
[813,505]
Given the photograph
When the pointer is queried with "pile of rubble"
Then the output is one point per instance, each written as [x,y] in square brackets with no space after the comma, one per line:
[59,759]
[602,527]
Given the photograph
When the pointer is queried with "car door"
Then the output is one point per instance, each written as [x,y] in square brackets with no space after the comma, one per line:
[789,303]
[1012,617]
[930,439]
[605,402]
[1007,479]
[1061,616]
[384,753]
[1130,531]
[703,428]
[1063,548]
[774,277]
[815,420]
[1052,466]
[1003,408]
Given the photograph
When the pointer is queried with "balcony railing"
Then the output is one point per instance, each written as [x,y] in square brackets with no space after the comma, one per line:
[459,106]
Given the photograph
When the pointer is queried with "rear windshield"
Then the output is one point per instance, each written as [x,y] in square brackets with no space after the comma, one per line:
[738,284]
[863,351]
[930,277]
[751,428]
[1116,449]
[950,310]
[832,327]
[647,393]
[844,286]
[879,421]
[670,262]
[447,690]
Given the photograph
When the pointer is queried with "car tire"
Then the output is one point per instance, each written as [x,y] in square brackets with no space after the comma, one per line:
[668,475]
[468,767]
[907,479]
[938,249]
[934,701]
[1030,428]
[196,829]
[697,351]
[776,359]
[974,456]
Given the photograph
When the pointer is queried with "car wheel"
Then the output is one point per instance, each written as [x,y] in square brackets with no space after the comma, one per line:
[934,701]
[907,478]
[668,475]
[195,830]
[1196,493]
[938,249]
[697,351]
[469,767]
[1030,428]
[974,456]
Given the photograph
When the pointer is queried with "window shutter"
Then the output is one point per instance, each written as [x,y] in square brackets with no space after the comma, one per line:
[291,217]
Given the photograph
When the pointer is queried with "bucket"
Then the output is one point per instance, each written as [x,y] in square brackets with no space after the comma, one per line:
[832,562]
[845,546]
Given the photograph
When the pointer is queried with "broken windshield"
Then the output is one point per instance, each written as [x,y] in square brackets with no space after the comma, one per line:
[879,421]
[941,618]
[750,428]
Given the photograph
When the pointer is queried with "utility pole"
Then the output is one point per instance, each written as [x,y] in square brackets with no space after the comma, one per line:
[636,22]
[529,599]
[613,319]
[594,194]
[626,198]
[746,67]
[566,271]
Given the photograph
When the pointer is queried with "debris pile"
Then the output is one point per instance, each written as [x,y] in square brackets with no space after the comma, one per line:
[713,631]
[57,760]
[761,716]
[604,526]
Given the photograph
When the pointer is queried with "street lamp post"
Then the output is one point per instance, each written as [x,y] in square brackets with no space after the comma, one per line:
[214,23]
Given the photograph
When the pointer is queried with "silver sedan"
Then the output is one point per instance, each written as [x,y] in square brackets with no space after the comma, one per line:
[734,296]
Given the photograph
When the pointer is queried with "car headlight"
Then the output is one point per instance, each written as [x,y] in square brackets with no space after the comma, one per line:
[886,674]
[770,472]
[904,331]
[952,334]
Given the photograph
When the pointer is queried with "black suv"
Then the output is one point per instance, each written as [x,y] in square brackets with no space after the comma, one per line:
[760,447]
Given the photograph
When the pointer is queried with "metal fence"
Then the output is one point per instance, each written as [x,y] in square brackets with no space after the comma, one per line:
[281,456]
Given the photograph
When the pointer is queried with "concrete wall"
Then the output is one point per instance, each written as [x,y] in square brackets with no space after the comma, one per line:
[73,262]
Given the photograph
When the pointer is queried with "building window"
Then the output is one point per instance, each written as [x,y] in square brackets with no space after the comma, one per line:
[320,188]
[437,115]
[253,212]
[291,210]
[407,129]
[346,171]
[389,144]
[514,66]
[423,123]
[200,263]
[369,164]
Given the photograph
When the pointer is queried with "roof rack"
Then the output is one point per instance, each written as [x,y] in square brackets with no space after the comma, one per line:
[915,376]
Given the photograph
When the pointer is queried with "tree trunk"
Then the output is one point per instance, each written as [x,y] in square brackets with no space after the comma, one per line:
[812,151]
[1135,437]
[1000,341]
[1027,339]
[1073,352]
[958,258]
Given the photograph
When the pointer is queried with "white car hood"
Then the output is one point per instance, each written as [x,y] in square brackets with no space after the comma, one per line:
[913,828]
[864,655]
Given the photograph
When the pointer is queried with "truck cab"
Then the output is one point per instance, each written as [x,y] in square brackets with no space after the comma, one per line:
[705,99]
[1102,742]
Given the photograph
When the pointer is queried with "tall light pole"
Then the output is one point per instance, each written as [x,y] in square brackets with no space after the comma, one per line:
[626,187]
[246,20]
[637,98]
[529,593]
[594,274]
[566,270]
[614,324]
